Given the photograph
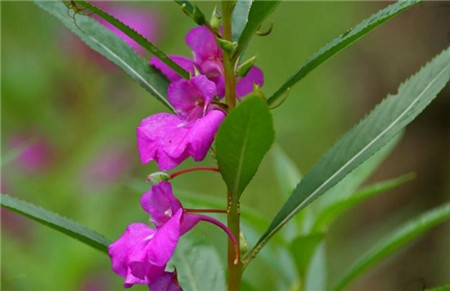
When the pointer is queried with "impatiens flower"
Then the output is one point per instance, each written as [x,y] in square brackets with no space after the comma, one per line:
[208,61]
[170,139]
[141,254]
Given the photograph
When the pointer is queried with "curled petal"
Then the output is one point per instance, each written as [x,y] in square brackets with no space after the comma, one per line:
[166,282]
[245,85]
[203,44]
[183,62]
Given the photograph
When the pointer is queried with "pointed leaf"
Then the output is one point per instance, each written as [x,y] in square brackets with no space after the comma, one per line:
[330,213]
[259,10]
[240,18]
[340,43]
[192,11]
[105,42]
[365,139]
[56,222]
[242,141]
[303,249]
[394,241]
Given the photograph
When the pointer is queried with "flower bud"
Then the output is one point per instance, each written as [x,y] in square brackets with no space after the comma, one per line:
[157,177]
[226,45]
[215,19]
[243,68]
[280,100]
[243,245]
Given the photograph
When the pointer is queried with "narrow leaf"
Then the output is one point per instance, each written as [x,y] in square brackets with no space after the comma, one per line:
[259,10]
[56,222]
[365,139]
[330,213]
[240,18]
[105,42]
[192,11]
[342,42]
[131,33]
[303,249]
[394,241]
[242,141]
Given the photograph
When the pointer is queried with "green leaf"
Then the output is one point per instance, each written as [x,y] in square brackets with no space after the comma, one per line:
[365,139]
[303,249]
[198,266]
[440,288]
[56,222]
[316,274]
[131,33]
[330,213]
[340,43]
[239,18]
[242,141]
[259,10]
[394,241]
[105,42]
[192,11]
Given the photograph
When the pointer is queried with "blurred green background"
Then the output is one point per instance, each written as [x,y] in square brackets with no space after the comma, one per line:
[80,113]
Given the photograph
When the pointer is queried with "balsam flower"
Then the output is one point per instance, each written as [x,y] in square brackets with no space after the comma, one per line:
[170,139]
[141,254]
[208,61]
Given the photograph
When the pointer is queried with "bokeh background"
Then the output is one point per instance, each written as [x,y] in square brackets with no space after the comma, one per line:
[75,115]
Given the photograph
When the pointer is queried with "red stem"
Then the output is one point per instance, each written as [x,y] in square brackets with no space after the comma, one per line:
[190,210]
[173,175]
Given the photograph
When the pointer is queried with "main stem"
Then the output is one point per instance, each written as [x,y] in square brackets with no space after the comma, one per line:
[234,268]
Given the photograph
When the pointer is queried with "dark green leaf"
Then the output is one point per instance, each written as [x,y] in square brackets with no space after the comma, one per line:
[242,141]
[131,33]
[340,43]
[394,241]
[240,18]
[105,42]
[258,12]
[198,266]
[57,222]
[365,139]
[330,213]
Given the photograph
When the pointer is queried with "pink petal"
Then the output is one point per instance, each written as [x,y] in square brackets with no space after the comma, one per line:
[245,85]
[183,62]
[166,282]
[203,44]
[190,98]
[202,134]
[160,203]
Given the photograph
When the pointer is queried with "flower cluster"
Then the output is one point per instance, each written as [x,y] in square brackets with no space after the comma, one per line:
[142,253]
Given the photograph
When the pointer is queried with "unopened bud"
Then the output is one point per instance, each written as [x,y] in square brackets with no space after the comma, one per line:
[243,245]
[157,177]
[280,100]
[245,67]
[215,19]
[226,45]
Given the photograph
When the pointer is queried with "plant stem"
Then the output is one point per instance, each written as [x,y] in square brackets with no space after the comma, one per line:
[228,63]
[211,169]
[234,267]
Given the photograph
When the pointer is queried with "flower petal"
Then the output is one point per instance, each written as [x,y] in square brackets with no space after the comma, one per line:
[190,98]
[166,282]
[183,62]
[203,44]
[245,85]
[160,203]
[202,133]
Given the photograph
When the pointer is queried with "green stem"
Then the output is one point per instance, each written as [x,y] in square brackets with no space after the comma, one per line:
[235,268]
[136,37]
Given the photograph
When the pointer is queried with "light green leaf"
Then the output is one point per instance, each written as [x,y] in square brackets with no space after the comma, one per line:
[240,18]
[330,213]
[105,42]
[303,249]
[340,43]
[199,267]
[316,274]
[242,141]
[192,11]
[365,139]
[394,241]
[259,10]
[56,222]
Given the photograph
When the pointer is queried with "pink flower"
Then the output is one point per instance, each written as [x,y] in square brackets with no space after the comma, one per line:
[208,61]
[170,139]
[141,254]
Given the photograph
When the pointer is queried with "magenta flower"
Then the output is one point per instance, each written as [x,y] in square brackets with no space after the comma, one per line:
[170,139]
[209,62]
[141,254]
